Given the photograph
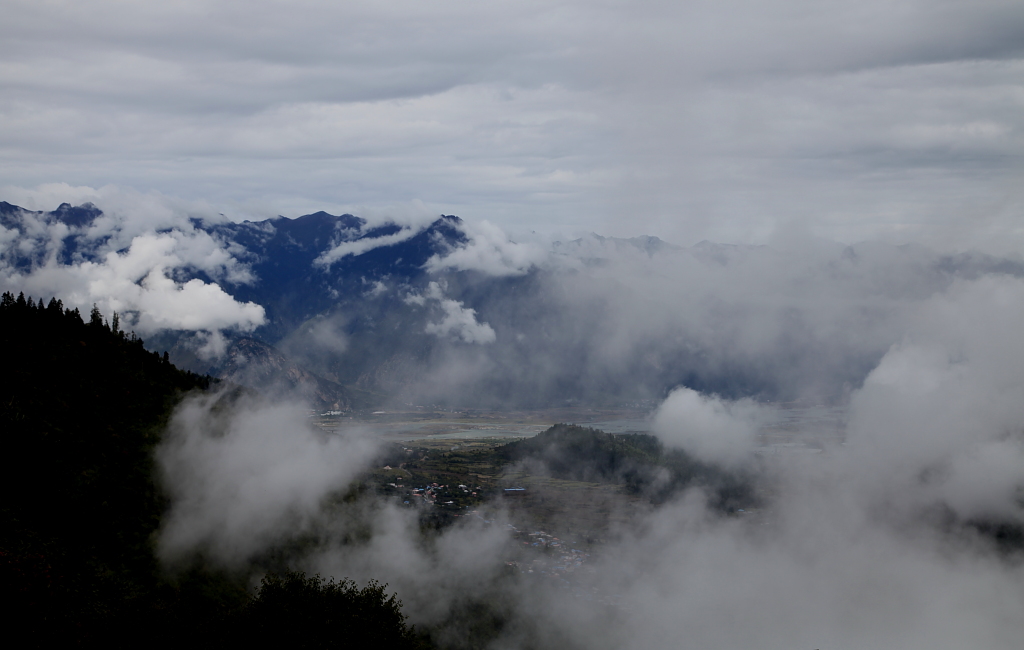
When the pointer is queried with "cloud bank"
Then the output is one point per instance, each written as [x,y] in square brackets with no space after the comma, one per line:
[457,321]
[246,474]
[724,121]
[884,541]
[131,260]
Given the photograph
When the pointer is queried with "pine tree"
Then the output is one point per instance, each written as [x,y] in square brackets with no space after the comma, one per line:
[95,317]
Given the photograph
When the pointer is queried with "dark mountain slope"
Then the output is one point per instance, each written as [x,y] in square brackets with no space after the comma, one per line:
[81,408]
[252,363]
[293,288]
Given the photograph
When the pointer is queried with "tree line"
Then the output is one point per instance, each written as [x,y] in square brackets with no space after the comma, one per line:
[83,405]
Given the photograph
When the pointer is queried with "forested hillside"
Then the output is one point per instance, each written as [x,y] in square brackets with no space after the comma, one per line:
[82,406]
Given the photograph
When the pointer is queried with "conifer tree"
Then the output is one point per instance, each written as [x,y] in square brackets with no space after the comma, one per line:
[95,317]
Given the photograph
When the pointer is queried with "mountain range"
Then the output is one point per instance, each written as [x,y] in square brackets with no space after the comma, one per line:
[348,313]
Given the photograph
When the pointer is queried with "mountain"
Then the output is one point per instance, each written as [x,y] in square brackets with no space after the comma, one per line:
[358,308]
[638,461]
[358,297]
[255,364]
[292,287]
[83,406]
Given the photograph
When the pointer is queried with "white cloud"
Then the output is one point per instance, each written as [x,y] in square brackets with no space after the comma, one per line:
[457,322]
[689,120]
[360,246]
[243,476]
[490,251]
[136,248]
[710,428]
[137,281]
[945,404]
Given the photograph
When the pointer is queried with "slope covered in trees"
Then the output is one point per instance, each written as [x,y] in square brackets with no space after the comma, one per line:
[82,406]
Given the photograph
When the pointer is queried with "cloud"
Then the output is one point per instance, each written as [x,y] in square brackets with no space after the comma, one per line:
[457,321]
[137,283]
[130,259]
[708,427]
[489,251]
[245,475]
[360,246]
[943,403]
[699,121]
[605,316]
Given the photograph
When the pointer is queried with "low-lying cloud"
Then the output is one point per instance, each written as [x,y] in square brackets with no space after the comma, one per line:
[245,474]
[877,542]
[457,321]
[135,259]
[360,246]
[710,428]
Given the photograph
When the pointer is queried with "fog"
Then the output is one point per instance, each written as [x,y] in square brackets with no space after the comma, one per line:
[600,318]
[882,541]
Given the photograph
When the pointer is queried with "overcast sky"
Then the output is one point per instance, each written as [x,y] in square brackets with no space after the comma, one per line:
[725,120]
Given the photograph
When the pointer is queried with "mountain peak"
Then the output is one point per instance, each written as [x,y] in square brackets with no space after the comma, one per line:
[81,215]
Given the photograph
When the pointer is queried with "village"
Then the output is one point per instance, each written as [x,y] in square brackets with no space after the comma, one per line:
[534,553]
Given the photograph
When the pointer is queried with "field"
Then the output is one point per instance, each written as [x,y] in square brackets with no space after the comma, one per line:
[574,495]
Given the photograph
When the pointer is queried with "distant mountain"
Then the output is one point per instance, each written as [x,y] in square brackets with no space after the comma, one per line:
[252,363]
[356,310]
[359,291]
[594,245]
[282,254]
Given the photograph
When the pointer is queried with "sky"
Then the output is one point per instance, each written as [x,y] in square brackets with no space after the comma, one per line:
[740,122]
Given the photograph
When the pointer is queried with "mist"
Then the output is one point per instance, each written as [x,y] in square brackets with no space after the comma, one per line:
[901,531]
[485,318]
[600,319]
[883,540]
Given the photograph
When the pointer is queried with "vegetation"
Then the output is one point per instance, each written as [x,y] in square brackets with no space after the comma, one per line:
[578,482]
[82,407]
[295,611]
[637,461]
